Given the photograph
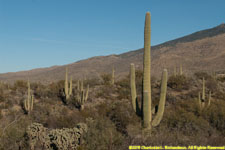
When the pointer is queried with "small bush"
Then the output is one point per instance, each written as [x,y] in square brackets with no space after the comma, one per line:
[200,75]
[179,82]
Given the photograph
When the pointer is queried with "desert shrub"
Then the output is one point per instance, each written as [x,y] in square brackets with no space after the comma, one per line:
[106,79]
[215,115]
[2,95]
[221,79]
[185,122]
[53,88]
[200,75]
[212,85]
[92,82]
[123,88]
[14,134]
[106,91]
[219,95]
[122,115]
[20,85]
[179,82]
[102,135]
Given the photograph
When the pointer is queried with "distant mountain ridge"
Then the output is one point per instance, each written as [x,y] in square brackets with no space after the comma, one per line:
[220,29]
[202,50]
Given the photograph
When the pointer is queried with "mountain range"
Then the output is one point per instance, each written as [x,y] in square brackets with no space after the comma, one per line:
[201,51]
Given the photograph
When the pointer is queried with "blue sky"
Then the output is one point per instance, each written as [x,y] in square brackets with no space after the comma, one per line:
[43,33]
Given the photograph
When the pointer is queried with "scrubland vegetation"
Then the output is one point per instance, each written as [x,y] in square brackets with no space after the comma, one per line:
[108,113]
[102,113]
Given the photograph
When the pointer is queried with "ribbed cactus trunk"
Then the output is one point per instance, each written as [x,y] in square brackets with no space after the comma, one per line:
[86,96]
[162,100]
[133,86]
[28,103]
[202,99]
[146,111]
[71,86]
[203,89]
[209,100]
[199,100]
[82,85]
[28,96]
[66,84]
[147,115]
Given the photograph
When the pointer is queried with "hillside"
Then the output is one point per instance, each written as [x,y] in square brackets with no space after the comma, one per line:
[203,50]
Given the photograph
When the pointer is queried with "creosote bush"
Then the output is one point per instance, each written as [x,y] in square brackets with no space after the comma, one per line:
[179,82]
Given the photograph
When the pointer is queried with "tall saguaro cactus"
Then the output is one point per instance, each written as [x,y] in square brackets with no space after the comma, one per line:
[68,88]
[113,75]
[28,103]
[147,72]
[66,84]
[145,112]
[202,97]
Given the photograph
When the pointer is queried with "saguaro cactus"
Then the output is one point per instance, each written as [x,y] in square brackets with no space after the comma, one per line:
[71,86]
[28,103]
[202,98]
[66,84]
[113,75]
[145,112]
[68,88]
[81,95]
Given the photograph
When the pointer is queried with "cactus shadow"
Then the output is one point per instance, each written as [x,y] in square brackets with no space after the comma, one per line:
[138,109]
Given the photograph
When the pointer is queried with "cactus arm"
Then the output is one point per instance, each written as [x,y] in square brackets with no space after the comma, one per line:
[25,105]
[203,89]
[199,100]
[66,83]
[71,86]
[209,100]
[86,96]
[28,90]
[32,102]
[133,86]
[147,115]
[82,85]
[162,101]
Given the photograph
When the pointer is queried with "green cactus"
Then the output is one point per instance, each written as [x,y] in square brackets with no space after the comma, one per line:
[28,103]
[146,110]
[71,86]
[202,98]
[81,95]
[203,89]
[113,75]
[66,84]
[62,139]
[133,87]
[68,88]
[82,85]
